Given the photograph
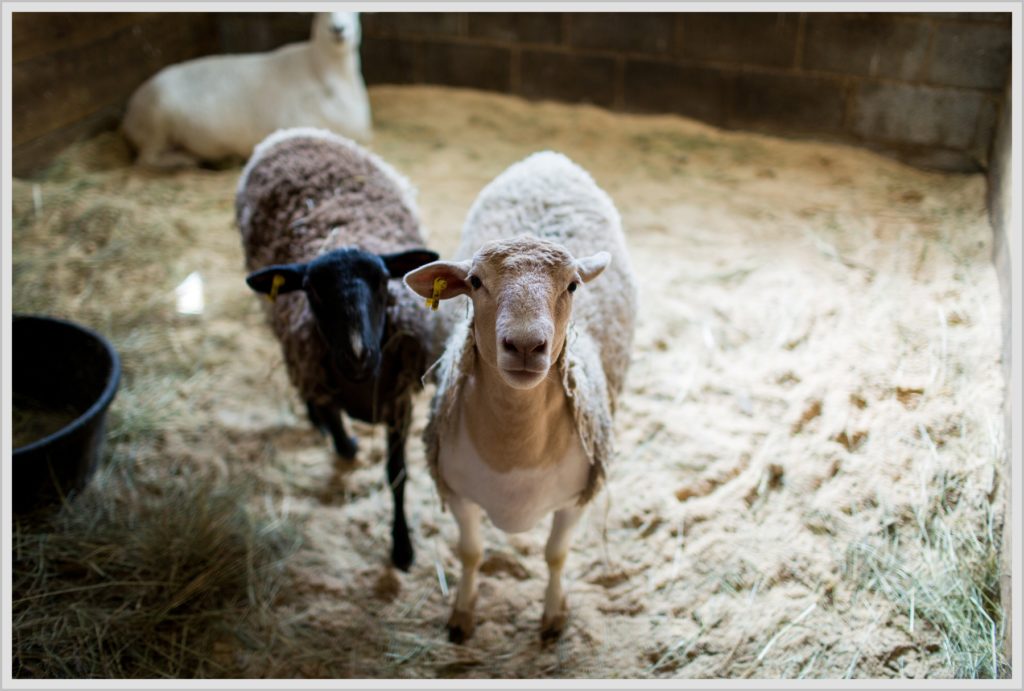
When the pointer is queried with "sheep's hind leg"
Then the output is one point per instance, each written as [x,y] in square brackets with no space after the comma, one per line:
[461,624]
[555,609]
[401,545]
[166,160]
[327,418]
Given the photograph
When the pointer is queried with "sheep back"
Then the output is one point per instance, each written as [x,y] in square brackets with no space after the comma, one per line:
[549,196]
[305,192]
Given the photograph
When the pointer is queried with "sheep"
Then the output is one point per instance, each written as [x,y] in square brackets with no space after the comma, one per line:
[325,224]
[221,106]
[521,423]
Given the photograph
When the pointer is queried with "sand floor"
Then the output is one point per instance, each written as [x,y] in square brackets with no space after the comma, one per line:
[815,384]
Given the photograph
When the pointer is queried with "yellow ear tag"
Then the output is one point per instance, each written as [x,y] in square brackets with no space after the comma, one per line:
[275,286]
[439,285]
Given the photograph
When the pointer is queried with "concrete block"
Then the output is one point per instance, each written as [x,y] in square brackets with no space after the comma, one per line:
[571,78]
[253,32]
[517,27]
[388,60]
[788,103]
[411,23]
[37,33]
[974,55]
[753,38]
[1000,17]
[875,45]
[473,67]
[58,88]
[634,32]
[916,114]
[988,115]
[662,87]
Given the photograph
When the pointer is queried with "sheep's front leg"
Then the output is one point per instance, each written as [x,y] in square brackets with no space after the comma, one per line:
[467,514]
[401,545]
[555,610]
[328,418]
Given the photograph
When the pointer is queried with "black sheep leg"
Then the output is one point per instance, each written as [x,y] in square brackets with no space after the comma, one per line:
[327,418]
[401,545]
[314,417]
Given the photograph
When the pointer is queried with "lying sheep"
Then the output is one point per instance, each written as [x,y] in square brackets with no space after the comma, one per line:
[521,424]
[325,225]
[221,106]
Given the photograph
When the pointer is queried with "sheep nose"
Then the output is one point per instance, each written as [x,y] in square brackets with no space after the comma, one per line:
[364,363]
[524,346]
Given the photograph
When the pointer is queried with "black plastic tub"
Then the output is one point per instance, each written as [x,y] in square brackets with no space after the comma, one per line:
[63,378]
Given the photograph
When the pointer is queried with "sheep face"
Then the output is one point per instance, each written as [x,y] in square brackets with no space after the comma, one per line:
[522,292]
[348,294]
[337,29]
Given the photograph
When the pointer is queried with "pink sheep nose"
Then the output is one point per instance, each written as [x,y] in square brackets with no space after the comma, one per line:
[524,346]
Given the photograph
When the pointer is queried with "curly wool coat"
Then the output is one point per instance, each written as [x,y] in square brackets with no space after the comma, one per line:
[548,196]
[305,192]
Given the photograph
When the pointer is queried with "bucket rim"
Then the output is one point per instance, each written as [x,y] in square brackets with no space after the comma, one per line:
[98,406]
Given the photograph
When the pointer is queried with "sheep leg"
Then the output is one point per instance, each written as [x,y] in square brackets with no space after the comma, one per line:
[401,545]
[555,609]
[314,417]
[461,624]
[165,160]
[327,418]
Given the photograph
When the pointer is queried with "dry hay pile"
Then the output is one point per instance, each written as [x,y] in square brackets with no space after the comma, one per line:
[809,444]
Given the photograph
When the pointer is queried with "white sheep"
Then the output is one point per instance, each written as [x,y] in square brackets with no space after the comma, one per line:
[521,423]
[221,106]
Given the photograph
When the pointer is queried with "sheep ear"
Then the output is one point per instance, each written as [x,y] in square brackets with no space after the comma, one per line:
[454,274]
[591,267]
[401,263]
[262,281]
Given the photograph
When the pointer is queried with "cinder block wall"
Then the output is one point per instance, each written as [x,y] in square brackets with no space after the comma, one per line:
[72,73]
[923,87]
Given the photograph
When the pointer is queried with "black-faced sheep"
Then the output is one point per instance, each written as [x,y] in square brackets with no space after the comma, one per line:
[521,424]
[325,225]
[222,106]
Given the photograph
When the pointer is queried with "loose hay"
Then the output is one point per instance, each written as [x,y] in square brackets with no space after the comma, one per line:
[809,440]
[146,581]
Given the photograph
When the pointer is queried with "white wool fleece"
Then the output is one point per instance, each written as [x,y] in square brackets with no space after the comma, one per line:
[549,196]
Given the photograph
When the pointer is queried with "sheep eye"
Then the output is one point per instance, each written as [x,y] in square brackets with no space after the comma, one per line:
[572,287]
[475,282]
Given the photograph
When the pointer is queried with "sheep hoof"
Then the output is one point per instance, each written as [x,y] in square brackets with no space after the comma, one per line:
[402,554]
[460,626]
[346,448]
[552,625]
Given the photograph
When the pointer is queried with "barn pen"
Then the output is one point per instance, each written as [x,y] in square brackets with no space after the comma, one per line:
[812,462]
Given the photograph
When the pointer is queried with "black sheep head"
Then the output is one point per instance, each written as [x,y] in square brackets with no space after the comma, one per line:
[347,290]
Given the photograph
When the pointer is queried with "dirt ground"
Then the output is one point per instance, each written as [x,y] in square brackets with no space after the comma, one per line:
[814,397]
